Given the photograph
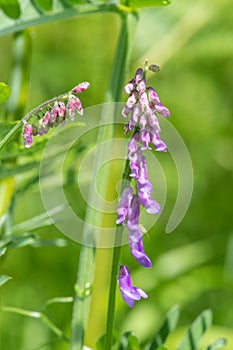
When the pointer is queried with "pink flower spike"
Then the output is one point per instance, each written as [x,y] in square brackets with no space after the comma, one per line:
[81,87]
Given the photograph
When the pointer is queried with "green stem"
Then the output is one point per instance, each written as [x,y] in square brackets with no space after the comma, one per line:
[40,315]
[115,268]
[22,53]
[86,270]
[66,13]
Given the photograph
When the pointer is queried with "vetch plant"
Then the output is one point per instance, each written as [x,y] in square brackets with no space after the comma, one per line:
[142,111]
[142,105]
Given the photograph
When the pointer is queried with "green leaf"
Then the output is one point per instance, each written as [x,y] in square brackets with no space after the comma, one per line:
[168,325]
[2,251]
[193,337]
[76,2]
[147,3]
[101,341]
[40,5]
[11,8]
[7,171]
[4,279]
[217,344]
[38,221]
[4,91]
[128,341]
[29,239]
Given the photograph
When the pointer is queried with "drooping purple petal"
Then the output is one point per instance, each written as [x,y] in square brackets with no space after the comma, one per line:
[133,211]
[141,86]
[126,111]
[138,75]
[156,104]
[145,138]
[132,99]
[162,110]
[151,206]
[128,292]
[158,144]
[153,96]
[129,87]
[124,204]
[138,253]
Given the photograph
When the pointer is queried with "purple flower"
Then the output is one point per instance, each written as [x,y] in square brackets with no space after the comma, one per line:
[143,104]
[124,204]
[27,135]
[138,253]
[156,104]
[128,292]
[151,206]
[135,234]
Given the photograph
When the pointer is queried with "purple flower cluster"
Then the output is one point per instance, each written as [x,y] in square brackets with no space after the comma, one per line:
[56,114]
[142,106]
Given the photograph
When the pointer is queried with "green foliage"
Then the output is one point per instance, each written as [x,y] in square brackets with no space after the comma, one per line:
[4,92]
[38,315]
[101,341]
[128,341]
[11,8]
[134,4]
[41,5]
[169,324]
[4,279]
[217,344]
[48,11]
[193,337]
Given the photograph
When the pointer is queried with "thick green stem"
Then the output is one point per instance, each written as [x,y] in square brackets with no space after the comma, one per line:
[22,52]
[87,266]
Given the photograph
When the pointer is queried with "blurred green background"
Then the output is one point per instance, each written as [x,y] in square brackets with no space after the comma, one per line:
[192,266]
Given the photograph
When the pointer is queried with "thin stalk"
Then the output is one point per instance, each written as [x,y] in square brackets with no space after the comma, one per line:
[86,270]
[115,268]
[39,315]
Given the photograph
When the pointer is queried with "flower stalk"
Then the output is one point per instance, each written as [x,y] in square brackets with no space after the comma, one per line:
[142,106]
[87,271]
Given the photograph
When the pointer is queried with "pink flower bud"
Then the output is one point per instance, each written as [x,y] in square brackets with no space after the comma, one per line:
[27,135]
[81,87]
